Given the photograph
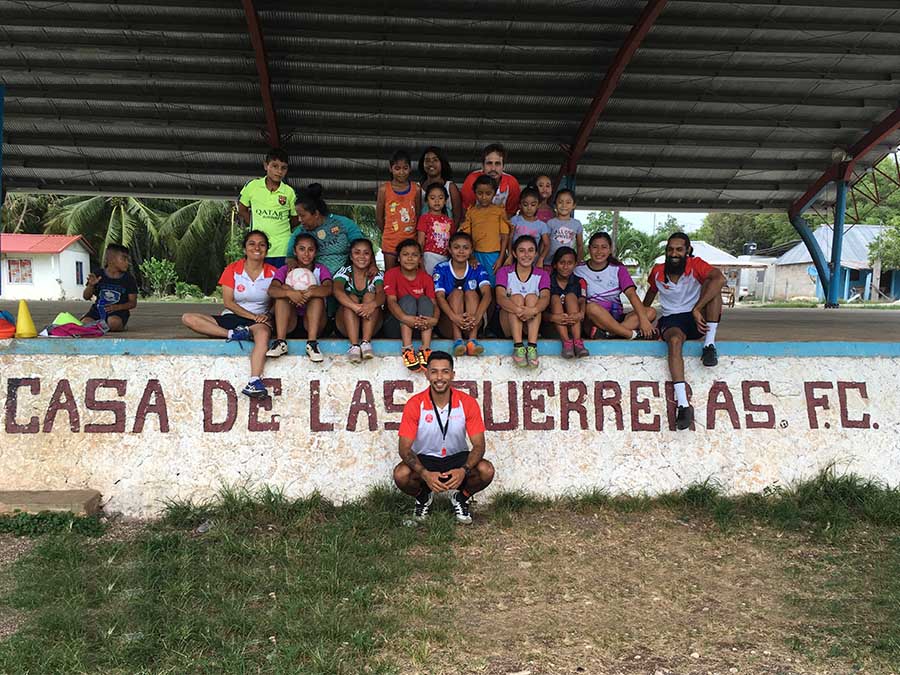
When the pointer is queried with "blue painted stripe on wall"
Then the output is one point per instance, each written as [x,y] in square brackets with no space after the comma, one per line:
[203,347]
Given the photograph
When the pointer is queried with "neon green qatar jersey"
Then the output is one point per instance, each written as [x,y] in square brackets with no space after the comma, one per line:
[271,212]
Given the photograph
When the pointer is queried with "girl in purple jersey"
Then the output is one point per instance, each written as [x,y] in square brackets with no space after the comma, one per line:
[607,279]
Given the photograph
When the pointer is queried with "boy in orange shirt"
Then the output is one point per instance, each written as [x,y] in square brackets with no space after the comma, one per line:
[489,226]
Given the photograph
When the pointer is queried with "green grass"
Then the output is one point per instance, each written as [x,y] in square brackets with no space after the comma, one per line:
[276,585]
[304,586]
[826,505]
[46,522]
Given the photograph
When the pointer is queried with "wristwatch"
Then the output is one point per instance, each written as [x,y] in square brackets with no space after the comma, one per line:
[466,470]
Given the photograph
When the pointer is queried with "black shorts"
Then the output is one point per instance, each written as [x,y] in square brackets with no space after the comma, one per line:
[444,464]
[123,314]
[232,321]
[684,321]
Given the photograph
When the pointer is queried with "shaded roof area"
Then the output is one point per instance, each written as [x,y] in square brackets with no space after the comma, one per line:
[854,252]
[726,105]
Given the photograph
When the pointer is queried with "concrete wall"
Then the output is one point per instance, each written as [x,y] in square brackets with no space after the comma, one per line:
[785,282]
[146,428]
[67,272]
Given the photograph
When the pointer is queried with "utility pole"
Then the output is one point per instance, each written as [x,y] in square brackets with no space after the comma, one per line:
[615,232]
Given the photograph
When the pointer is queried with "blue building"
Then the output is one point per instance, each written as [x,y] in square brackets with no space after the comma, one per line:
[795,274]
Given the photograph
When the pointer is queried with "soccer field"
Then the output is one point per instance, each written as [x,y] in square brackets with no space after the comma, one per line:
[801,580]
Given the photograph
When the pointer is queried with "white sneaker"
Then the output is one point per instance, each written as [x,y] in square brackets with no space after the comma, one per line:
[278,348]
[312,351]
[366,350]
[354,354]
[460,508]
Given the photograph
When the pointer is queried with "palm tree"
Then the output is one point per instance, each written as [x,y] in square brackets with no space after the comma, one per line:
[23,213]
[641,247]
[129,221]
[195,236]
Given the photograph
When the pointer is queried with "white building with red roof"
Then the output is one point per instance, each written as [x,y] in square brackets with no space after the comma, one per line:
[43,266]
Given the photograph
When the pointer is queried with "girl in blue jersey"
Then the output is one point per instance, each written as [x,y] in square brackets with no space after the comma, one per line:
[566,310]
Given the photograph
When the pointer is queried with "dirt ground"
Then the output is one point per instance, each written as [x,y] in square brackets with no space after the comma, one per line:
[11,548]
[609,593]
[557,592]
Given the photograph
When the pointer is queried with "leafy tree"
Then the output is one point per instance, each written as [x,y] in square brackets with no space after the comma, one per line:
[160,275]
[24,213]
[730,231]
[887,247]
[668,226]
[602,221]
[364,216]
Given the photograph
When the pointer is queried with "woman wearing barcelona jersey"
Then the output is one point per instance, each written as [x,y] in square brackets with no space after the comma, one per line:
[434,429]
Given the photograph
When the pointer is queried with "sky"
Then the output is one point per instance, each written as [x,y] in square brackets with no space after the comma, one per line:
[646,221]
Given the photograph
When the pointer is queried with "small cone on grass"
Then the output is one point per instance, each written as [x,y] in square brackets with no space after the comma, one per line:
[24,323]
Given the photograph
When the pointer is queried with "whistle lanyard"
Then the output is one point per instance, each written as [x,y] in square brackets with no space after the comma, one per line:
[441,425]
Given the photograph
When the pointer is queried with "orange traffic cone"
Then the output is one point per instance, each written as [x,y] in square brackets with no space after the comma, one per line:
[24,323]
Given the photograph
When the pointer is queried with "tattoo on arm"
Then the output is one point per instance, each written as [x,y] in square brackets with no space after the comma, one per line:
[412,461]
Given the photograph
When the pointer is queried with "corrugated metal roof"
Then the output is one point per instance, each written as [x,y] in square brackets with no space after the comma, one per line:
[730,106]
[854,251]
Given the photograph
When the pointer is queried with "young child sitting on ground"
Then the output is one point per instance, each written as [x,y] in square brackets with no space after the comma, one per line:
[359,290]
[397,207]
[463,294]
[435,227]
[489,226]
[300,313]
[115,290]
[410,300]
[567,303]
[523,293]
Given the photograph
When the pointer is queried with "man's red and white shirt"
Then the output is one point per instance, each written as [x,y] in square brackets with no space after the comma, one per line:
[681,296]
[462,418]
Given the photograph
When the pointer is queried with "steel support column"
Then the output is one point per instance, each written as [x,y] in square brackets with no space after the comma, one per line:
[840,174]
[262,72]
[833,294]
[2,186]
[607,87]
[815,251]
